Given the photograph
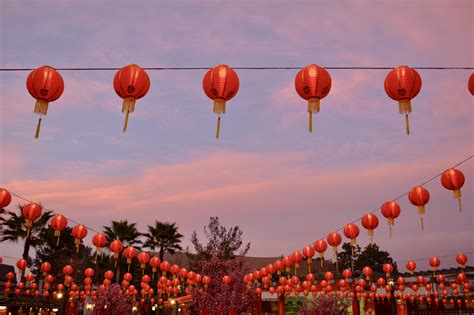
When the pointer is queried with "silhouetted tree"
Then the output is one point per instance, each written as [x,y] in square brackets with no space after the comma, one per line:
[165,237]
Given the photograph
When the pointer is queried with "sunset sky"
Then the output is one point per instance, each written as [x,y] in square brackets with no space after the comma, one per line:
[284,187]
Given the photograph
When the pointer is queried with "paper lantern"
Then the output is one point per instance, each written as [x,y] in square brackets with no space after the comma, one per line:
[388,269]
[45,268]
[391,210]
[131,83]
[143,258]
[461,259]
[286,261]
[67,270]
[5,198]
[411,266]
[89,272]
[154,264]
[21,264]
[470,83]
[129,253]
[31,212]
[334,239]
[220,84]
[351,231]
[79,232]
[98,240]
[419,197]
[296,258]
[46,85]
[347,274]
[320,246]
[453,179]
[226,280]
[367,271]
[109,274]
[165,267]
[308,252]
[313,83]
[116,247]
[402,84]
[370,222]
[58,223]
[435,263]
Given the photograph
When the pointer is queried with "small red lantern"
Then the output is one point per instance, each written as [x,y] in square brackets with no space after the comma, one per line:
[320,246]
[453,179]
[411,266]
[154,264]
[5,198]
[435,263]
[129,253]
[45,268]
[461,259]
[79,232]
[390,210]
[46,85]
[143,258]
[58,223]
[99,240]
[67,270]
[313,83]
[296,257]
[334,239]
[402,84]
[165,267]
[31,212]
[116,247]
[308,252]
[367,271]
[89,272]
[370,222]
[131,83]
[347,274]
[109,274]
[21,264]
[351,231]
[226,280]
[419,197]
[388,269]
[220,84]
[470,83]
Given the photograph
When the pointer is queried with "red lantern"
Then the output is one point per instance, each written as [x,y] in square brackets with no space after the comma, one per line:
[109,275]
[31,212]
[351,231]
[370,222]
[313,83]
[99,240]
[411,266]
[419,197]
[308,252]
[116,247]
[79,232]
[470,83]
[5,198]
[334,239]
[220,84]
[347,273]
[391,210]
[46,85]
[58,223]
[131,83]
[453,179]
[320,246]
[226,280]
[367,271]
[21,264]
[129,253]
[388,269]
[143,258]
[287,263]
[296,257]
[45,268]
[461,259]
[165,267]
[89,272]
[435,262]
[67,270]
[155,264]
[402,84]
[206,280]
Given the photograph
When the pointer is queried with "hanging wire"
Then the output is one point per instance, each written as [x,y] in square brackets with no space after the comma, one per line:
[235,68]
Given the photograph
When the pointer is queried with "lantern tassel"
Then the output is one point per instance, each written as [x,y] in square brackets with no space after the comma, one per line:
[38,127]
[27,232]
[126,121]
[115,265]
[96,255]
[310,122]
[322,262]
[422,224]
[143,272]
[407,124]
[218,127]
[57,241]
[77,248]
[390,230]
[460,205]
[128,269]
[309,266]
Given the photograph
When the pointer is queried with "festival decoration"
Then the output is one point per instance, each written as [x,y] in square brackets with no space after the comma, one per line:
[79,232]
[453,179]
[45,268]
[388,269]
[226,280]
[391,210]
[296,258]
[98,240]
[129,253]
[320,246]
[367,271]
[419,197]
[434,263]
[131,83]
[220,84]
[154,264]
[46,85]
[21,264]
[165,267]
[313,83]
[402,84]
[370,222]
[58,223]
[143,258]
[116,247]
[351,231]
[334,239]
[5,198]
[470,83]
[308,252]
[411,266]
[461,259]
[31,212]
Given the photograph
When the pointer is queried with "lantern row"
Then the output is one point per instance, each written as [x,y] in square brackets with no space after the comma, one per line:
[221,84]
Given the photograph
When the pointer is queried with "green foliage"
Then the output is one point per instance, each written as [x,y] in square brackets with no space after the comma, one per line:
[164,236]
[371,256]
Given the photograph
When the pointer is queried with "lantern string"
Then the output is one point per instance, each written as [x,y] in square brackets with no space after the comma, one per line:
[238,68]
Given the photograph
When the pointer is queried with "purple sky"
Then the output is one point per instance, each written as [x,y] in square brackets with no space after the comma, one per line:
[284,187]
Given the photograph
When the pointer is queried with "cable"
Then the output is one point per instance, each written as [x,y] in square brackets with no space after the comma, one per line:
[235,68]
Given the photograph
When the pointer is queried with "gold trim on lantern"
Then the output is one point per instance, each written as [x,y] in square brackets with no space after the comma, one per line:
[219,106]
[128,105]
[404,106]
[313,105]
[77,241]
[57,233]
[28,223]
[370,232]
[41,107]
[457,193]
[421,209]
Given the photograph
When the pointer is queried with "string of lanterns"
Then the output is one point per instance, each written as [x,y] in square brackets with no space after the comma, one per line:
[221,84]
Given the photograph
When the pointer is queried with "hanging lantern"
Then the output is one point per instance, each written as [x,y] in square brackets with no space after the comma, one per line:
[46,85]
[220,84]
[402,84]
[31,212]
[67,270]
[347,274]
[286,261]
[165,267]
[58,223]
[419,197]
[461,259]
[226,280]
[45,268]
[411,266]
[308,252]
[89,272]
[470,83]
[320,246]
[367,271]
[116,247]
[453,179]
[206,280]
[79,232]
[5,198]
[388,269]
[21,264]
[129,253]
[313,83]
[370,222]
[391,210]
[131,83]
[434,263]
[351,231]
[99,240]
[296,258]
[143,258]
[334,239]
[154,264]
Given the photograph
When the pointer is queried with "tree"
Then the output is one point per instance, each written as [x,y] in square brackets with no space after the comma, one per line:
[14,230]
[111,300]
[123,231]
[165,237]
[371,256]
[348,255]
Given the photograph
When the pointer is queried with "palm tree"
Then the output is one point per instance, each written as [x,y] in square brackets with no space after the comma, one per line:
[125,232]
[164,236]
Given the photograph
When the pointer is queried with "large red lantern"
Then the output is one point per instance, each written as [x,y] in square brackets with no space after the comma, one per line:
[388,269]
[470,83]
[461,259]
[45,268]
[129,253]
[313,83]
[154,264]
[351,231]
[31,212]
[308,252]
[46,85]
[370,222]
[391,210]
[220,84]
[419,197]
[402,84]
[99,240]
[453,179]
[334,239]
[131,83]
[21,264]
[435,263]
[116,247]
[143,258]
[411,266]
[79,232]
[296,258]
[320,246]
[58,223]
[5,198]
